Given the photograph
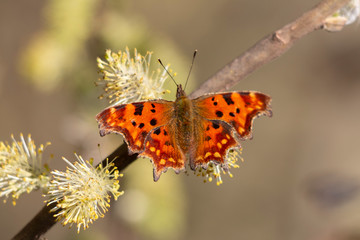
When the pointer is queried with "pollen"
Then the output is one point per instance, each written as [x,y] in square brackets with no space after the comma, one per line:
[227,136]
[162,161]
[83,192]
[171,160]
[224,141]
[158,152]
[207,154]
[21,168]
[217,154]
[126,78]
[214,170]
[147,144]
[219,145]
[152,149]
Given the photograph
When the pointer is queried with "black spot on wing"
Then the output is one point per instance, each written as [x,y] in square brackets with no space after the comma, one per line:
[157,131]
[219,113]
[153,110]
[141,125]
[153,122]
[237,110]
[215,125]
[133,123]
[231,114]
[138,108]
[227,98]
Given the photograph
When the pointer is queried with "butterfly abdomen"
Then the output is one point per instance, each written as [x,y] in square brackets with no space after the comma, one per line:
[184,124]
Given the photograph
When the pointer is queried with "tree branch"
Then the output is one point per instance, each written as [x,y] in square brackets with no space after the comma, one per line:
[269,48]
[261,53]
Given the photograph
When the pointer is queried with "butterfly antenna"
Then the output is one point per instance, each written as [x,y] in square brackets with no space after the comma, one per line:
[192,63]
[167,71]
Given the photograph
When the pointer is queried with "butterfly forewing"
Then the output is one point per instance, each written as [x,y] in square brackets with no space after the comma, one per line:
[236,108]
[135,121]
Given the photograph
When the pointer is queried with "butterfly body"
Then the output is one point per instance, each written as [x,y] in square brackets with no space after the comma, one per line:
[194,131]
[183,124]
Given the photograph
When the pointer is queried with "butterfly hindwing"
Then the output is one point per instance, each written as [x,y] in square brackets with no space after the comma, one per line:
[236,108]
[162,149]
[135,121]
[214,138]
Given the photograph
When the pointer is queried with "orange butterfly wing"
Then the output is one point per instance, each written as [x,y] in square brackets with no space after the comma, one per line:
[236,108]
[135,121]
[226,119]
[213,139]
[145,128]
[164,151]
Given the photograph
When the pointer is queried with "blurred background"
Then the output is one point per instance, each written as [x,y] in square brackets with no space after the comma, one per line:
[301,175]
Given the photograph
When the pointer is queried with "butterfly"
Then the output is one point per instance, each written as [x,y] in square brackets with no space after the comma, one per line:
[186,131]
[194,131]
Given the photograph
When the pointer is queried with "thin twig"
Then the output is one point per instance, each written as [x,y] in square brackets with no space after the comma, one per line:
[261,53]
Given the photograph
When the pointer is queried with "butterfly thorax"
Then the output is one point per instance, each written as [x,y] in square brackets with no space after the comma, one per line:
[183,120]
